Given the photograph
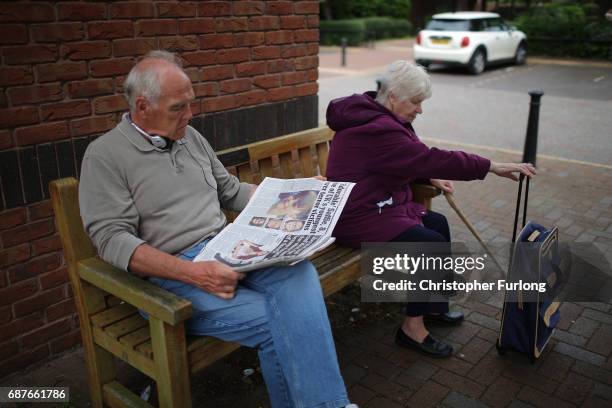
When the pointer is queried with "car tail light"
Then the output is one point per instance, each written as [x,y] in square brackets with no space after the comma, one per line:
[418,39]
[465,42]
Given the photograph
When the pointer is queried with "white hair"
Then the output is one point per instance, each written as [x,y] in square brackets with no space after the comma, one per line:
[405,80]
[144,79]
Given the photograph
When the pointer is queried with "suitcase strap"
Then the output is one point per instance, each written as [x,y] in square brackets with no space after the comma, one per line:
[518,205]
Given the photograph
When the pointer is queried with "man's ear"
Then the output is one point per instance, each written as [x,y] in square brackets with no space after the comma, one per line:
[142,105]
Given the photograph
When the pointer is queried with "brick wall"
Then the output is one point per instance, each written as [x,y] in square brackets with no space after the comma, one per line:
[254,69]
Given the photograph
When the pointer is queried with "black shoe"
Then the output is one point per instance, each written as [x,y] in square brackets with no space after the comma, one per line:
[448,318]
[430,346]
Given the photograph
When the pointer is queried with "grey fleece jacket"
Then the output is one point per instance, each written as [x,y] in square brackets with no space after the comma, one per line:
[131,192]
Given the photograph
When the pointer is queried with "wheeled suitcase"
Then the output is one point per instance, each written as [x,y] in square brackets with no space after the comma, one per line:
[527,323]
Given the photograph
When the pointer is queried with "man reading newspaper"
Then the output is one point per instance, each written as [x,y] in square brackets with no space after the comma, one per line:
[151,194]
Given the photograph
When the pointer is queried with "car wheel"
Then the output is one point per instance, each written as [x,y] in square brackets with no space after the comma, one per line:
[477,62]
[520,57]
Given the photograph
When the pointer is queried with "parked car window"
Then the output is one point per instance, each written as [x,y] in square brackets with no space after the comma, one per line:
[448,25]
[494,24]
[478,25]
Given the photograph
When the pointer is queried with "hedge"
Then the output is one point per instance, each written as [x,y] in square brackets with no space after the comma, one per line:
[358,30]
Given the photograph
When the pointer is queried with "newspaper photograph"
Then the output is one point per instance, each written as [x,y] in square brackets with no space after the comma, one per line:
[285,221]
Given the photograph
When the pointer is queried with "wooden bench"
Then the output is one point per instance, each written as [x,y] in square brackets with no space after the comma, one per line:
[108,299]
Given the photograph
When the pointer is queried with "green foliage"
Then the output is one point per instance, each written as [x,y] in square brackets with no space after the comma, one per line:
[359,30]
[346,9]
[561,29]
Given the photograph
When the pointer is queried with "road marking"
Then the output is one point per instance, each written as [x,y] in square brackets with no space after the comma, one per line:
[599,78]
[515,152]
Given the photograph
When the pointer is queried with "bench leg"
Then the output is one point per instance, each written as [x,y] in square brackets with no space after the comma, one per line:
[172,367]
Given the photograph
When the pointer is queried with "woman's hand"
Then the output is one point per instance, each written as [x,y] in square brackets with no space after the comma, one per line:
[508,170]
[444,185]
[320,178]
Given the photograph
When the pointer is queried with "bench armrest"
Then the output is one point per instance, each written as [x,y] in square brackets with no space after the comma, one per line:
[144,295]
[423,193]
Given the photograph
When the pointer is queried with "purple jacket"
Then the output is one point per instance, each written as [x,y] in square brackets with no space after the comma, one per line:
[383,155]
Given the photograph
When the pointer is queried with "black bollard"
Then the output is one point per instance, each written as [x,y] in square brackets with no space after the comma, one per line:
[343,43]
[531,140]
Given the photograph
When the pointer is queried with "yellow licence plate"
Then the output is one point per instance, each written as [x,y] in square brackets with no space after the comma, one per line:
[440,41]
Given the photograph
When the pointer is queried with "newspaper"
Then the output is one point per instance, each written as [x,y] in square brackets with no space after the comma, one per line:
[285,222]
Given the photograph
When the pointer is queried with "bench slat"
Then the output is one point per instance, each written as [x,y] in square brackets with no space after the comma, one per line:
[126,326]
[137,337]
[113,314]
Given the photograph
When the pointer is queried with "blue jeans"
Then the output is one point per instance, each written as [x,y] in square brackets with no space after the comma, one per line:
[280,311]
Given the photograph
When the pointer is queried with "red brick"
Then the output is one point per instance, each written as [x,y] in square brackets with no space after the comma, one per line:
[263,23]
[64,110]
[112,103]
[216,73]
[131,9]
[266,52]
[6,313]
[12,218]
[6,139]
[27,232]
[93,125]
[81,11]
[15,76]
[57,32]
[156,27]
[111,67]
[3,99]
[85,50]
[66,341]
[8,349]
[18,326]
[92,87]
[17,292]
[38,302]
[279,37]
[133,46]
[228,56]
[45,334]
[281,94]
[34,267]
[292,78]
[231,24]
[29,54]
[306,7]
[209,41]
[312,75]
[306,63]
[206,89]
[293,50]
[235,85]
[280,7]
[248,8]
[196,26]
[313,48]
[199,58]
[267,81]
[249,69]
[13,117]
[196,107]
[313,22]
[35,94]
[182,43]
[61,71]
[46,132]
[214,8]
[18,12]
[292,22]
[306,36]
[61,309]
[255,97]
[54,278]
[219,103]
[103,30]
[13,34]
[178,9]
[23,360]
[43,209]
[281,65]
[248,39]
[46,245]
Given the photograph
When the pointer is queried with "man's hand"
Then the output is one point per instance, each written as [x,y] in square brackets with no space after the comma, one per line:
[508,170]
[214,277]
[444,185]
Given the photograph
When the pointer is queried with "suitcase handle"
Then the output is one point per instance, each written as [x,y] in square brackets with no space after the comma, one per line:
[518,205]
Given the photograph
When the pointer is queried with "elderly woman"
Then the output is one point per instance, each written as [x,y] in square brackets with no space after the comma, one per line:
[376,147]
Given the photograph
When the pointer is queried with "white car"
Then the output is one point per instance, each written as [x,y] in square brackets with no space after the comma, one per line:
[470,39]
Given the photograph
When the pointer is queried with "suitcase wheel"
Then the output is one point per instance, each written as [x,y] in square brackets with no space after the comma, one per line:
[500,350]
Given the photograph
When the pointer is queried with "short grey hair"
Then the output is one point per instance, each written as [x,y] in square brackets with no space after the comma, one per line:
[405,80]
[143,79]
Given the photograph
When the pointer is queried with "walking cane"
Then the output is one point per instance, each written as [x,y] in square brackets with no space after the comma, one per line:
[451,201]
